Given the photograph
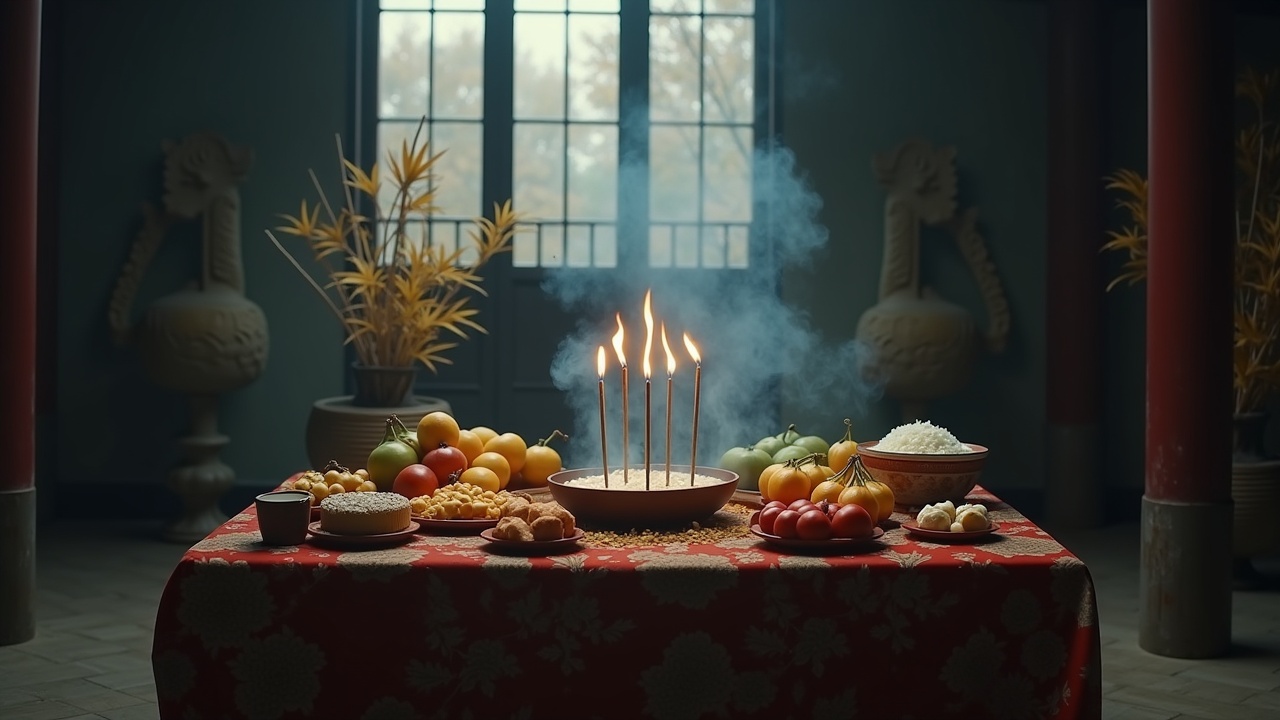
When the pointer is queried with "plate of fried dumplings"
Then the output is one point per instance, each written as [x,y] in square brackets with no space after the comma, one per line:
[533,528]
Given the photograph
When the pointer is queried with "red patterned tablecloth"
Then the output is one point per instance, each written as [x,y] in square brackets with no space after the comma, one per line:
[441,628]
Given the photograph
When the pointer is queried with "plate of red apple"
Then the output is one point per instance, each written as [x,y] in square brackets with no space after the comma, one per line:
[817,526]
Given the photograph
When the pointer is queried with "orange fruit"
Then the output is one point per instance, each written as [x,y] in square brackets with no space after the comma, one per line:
[436,428]
[788,485]
[510,446]
[484,433]
[482,477]
[764,480]
[497,463]
[470,444]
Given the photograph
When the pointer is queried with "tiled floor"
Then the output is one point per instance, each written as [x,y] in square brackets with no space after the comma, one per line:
[99,585]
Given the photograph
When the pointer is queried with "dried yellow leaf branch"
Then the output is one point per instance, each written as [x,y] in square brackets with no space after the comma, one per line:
[394,292]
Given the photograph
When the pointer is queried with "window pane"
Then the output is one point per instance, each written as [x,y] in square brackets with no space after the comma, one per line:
[391,135]
[524,247]
[726,174]
[552,246]
[673,172]
[601,6]
[686,246]
[459,76]
[578,246]
[679,6]
[460,4]
[405,4]
[659,246]
[444,234]
[550,5]
[538,171]
[606,246]
[593,67]
[744,7]
[729,72]
[713,243]
[539,66]
[404,64]
[739,249]
[593,172]
[458,172]
[674,58]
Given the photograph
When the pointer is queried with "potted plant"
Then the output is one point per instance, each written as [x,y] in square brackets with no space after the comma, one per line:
[1256,374]
[401,301]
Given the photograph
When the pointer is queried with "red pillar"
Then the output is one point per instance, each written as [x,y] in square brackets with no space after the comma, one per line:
[20,64]
[1073,314]
[1185,576]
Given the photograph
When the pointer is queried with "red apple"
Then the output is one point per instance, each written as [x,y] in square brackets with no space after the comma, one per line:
[445,461]
[852,521]
[415,481]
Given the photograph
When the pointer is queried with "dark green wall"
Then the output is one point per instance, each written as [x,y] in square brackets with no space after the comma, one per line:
[275,76]
[858,78]
[862,77]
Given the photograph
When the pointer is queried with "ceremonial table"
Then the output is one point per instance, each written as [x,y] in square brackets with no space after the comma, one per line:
[441,627]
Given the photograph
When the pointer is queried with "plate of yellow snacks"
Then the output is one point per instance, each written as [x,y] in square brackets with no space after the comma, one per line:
[459,509]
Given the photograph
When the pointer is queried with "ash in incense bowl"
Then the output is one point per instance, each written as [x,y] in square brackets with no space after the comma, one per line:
[628,505]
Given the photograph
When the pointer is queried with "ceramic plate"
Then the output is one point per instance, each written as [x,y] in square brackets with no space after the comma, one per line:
[359,542]
[453,527]
[946,536]
[831,544]
[532,547]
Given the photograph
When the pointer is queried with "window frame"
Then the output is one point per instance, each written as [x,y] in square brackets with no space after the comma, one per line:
[632,222]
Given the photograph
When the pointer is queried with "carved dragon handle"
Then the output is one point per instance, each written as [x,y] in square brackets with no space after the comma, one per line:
[964,227]
[149,239]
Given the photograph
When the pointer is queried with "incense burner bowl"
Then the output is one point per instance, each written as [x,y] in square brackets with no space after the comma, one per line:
[618,508]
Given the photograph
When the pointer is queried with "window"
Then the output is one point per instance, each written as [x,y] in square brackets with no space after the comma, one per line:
[624,131]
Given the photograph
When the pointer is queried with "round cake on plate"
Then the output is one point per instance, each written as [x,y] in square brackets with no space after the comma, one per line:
[364,513]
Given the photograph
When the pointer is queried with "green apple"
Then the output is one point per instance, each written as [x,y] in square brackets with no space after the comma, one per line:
[789,435]
[748,463]
[791,452]
[813,443]
[770,445]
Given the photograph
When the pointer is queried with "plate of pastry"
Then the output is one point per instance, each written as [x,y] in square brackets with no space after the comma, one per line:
[341,541]
[949,535]
[532,547]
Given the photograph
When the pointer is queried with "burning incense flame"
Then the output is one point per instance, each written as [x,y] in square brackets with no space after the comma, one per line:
[693,350]
[671,357]
[600,361]
[617,342]
[648,326]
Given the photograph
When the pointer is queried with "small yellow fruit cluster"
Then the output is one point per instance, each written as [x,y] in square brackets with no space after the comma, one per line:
[322,485]
[460,501]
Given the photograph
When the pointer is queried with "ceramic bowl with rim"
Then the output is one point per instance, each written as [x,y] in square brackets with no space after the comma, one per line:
[626,509]
[919,479]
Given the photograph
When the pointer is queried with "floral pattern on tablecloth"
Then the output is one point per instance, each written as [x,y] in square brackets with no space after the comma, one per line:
[441,628]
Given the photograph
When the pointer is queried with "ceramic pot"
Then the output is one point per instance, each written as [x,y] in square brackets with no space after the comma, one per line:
[1255,489]
[379,386]
[338,429]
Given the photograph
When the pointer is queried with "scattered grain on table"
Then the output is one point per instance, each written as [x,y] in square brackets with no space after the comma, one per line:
[731,522]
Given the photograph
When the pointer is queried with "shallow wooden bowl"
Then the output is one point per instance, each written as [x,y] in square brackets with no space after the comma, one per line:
[626,509]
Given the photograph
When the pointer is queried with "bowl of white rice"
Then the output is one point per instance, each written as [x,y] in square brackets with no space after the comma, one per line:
[626,504]
[923,464]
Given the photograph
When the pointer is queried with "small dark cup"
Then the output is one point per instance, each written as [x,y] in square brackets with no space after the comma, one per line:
[283,516]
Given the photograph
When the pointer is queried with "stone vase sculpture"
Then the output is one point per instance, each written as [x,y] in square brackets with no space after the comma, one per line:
[925,347]
[207,339]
